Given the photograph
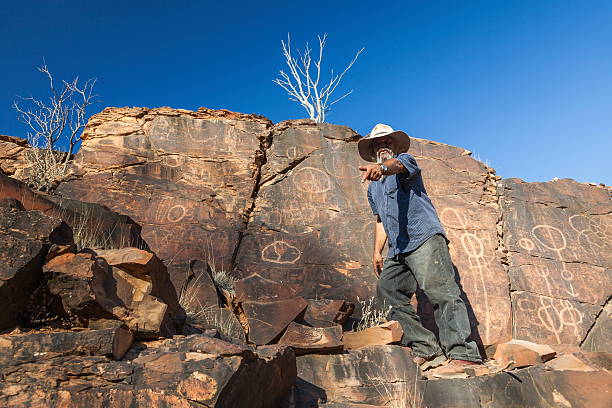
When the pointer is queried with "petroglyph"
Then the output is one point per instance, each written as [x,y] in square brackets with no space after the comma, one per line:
[553,319]
[553,239]
[311,180]
[592,232]
[280,252]
[168,211]
[526,244]
[473,246]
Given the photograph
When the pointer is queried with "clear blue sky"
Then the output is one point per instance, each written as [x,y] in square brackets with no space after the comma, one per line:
[525,85]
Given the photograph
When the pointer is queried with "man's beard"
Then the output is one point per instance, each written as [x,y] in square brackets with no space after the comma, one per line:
[383,154]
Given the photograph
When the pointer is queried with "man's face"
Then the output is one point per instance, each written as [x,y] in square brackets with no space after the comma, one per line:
[383,147]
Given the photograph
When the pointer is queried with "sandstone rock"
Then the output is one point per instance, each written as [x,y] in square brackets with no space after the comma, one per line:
[557,235]
[13,155]
[523,353]
[306,340]
[258,289]
[386,333]
[268,320]
[198,293]
[598,338]
[90,289]
[186,177]
[569,362]
[177,373]
[327,312]
[528,387]
[309,224]
[378,375]
[92,224]
[25,237]
[31,347]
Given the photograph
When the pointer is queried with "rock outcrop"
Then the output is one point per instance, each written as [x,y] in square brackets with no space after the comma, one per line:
[280,213]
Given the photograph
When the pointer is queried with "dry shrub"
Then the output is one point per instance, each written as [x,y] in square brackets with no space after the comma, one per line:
[45,168]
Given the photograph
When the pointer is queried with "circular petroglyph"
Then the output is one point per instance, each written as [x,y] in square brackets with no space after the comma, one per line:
[526,243]
[280,252]
[311,180]
[550,237]
[176,213]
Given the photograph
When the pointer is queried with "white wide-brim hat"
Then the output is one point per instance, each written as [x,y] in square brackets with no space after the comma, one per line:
[402,141]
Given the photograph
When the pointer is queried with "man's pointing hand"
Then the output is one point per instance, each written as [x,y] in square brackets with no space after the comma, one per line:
[371,172]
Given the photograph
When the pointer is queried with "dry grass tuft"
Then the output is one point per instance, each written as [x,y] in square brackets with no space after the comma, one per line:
[371,314]
[399,393]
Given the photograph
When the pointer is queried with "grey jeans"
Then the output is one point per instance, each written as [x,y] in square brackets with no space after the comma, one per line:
[430,267]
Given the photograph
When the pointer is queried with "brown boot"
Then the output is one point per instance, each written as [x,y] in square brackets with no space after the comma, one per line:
[454,369]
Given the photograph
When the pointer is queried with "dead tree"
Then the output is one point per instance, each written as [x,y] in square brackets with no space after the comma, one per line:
[304,84]
[53,125]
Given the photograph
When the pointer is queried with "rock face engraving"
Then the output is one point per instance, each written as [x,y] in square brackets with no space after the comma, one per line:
[286,202]
[559,237]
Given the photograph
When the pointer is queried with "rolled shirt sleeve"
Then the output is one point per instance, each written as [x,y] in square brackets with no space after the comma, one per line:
[409,163]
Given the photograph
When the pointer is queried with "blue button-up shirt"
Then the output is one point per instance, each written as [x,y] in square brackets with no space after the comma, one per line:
[401,202]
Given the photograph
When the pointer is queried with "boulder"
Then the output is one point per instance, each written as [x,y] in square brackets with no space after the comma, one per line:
[268,320]
[377,375]
[571,362]
[523,353]
[285,202]
[31,347]
[327,312]
[527,387]
[25,237]
[386,333]
[176,373]
[306,340]
[129,285]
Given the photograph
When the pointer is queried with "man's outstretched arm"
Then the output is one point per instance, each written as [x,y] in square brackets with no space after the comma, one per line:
[380,239]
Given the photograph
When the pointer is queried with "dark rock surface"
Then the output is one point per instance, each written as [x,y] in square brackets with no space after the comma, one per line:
[25,237]
[186,372]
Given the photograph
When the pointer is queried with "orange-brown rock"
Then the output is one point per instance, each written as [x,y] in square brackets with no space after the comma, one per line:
[285,202]
[256,288]
[523,353]
[386,333]
[140,296]
[183,372]
[306,340]
[327,312]
[378,375]
[268,320]
[13,159]
[558,237]
[186,177]
[92,224]
[571,362]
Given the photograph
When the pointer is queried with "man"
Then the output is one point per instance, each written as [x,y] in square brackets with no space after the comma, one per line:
[418,254]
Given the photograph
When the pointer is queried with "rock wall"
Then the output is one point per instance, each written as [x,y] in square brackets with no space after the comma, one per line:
[285,201]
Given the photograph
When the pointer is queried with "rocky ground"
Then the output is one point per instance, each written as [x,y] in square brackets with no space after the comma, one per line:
[211,258]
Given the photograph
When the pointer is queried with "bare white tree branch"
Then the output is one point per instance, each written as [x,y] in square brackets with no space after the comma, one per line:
[303,82]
